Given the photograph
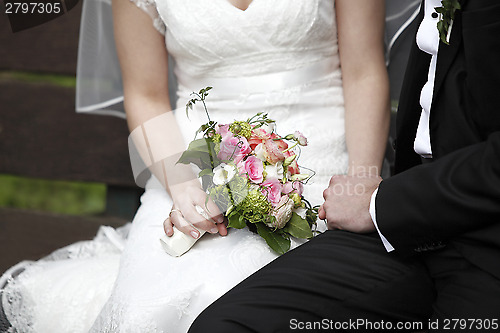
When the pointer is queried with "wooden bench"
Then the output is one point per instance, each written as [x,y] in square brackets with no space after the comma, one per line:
[41,136]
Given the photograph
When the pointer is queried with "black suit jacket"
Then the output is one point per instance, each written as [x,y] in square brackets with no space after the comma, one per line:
[454,200]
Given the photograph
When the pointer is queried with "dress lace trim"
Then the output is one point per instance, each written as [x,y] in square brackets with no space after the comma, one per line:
[149,6]
[32,290]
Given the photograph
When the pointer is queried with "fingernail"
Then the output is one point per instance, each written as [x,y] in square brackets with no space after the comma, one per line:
[220,220]
[214,230]
[195,234]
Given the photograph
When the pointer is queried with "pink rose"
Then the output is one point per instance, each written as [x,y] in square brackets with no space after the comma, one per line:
[293,187]
[272,152]
[254,168]
[241,167]
[222,130]
[232,147]
[300,138]
[293,168]
[282,212]
[259,135]
[282,145]
[271,188]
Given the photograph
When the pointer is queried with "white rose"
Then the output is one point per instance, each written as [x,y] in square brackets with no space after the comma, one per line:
[223,174]
[300,177]
[259,152]
[269,128]
[274,171]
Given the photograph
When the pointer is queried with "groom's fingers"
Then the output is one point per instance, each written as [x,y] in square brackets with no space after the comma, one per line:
[325,193]
[321,213]
[334,179]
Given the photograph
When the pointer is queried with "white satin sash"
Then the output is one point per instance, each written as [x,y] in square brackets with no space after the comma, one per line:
[262,83]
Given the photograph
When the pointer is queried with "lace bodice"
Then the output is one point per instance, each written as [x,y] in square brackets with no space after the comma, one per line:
[277,56]
[205,36]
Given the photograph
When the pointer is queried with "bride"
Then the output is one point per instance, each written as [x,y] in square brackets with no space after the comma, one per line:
[316,66]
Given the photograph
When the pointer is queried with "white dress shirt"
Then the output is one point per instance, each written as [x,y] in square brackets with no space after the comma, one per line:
[427,41]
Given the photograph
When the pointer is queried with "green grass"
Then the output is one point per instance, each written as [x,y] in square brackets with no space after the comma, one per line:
[47,195]
[394,105]
[52,79]
[62,197]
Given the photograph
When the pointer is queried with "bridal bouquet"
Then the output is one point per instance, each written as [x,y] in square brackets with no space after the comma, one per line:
[252,174]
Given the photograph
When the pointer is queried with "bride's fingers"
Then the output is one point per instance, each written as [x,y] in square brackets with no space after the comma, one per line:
[222,229]
[213,216]
[180,222]
[198,217]
[167,226]
[213,211]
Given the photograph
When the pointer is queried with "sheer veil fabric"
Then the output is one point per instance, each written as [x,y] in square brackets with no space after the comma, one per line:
[99,87]
[122,281]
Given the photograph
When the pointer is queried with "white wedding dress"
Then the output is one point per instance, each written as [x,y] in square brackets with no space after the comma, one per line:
[278,57]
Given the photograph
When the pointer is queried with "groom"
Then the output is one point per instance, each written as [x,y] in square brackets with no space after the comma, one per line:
[417,251]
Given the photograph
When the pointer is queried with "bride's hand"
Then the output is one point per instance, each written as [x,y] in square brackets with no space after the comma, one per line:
[185,214]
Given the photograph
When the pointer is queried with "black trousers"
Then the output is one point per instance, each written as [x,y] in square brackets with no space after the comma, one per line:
[342,281]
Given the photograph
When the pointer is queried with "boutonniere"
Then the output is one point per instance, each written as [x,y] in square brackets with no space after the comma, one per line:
[446,15]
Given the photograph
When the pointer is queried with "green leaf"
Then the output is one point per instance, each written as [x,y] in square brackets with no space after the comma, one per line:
[439,10]
[189,105]
[200,152]
[200,145]
[199,130]
[206,172]
[447,11]
[276,241]
[236,221]
[298,227]
[200,159]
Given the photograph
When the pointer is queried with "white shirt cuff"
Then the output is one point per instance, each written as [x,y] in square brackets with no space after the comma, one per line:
[386,243]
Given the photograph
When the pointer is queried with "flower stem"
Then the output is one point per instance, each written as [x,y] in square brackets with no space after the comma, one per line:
[295,145]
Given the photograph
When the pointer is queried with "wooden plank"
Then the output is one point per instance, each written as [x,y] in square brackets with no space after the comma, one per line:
[50,47]
[27,235]
[41,136]
[123,201]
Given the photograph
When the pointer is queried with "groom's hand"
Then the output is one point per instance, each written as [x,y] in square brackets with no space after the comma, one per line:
[347,203]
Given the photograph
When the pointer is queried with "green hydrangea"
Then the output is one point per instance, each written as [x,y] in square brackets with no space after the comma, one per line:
[217,147]
[241,128]
[220,195]
[217,138]
[255,207]
[239,189]
[296,199]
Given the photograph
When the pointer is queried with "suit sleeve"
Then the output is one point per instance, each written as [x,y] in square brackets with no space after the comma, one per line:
[430,203]
[424,206]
